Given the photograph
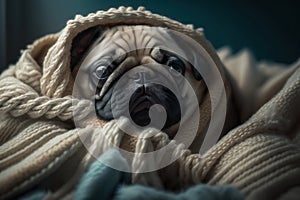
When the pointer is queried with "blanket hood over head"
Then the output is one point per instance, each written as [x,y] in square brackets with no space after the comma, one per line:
[41,147]
[56,69]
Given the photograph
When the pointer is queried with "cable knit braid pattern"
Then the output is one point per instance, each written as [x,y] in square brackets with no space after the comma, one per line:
[39,140]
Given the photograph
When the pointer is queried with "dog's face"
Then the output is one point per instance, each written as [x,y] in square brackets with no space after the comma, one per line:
[138,54]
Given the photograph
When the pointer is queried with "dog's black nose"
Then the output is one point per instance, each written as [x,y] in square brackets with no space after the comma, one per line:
[140,90]
[145,89]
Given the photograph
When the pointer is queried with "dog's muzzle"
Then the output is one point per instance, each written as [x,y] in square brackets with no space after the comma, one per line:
[146,95]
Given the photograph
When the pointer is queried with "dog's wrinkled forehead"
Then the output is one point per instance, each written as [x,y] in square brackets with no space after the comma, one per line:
[137,41]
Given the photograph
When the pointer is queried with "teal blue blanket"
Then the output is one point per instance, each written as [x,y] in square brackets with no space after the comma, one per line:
[103,182]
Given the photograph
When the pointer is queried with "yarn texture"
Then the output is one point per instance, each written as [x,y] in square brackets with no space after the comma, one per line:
[41,146]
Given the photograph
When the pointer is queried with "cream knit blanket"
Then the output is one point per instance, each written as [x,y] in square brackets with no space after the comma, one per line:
[40,144]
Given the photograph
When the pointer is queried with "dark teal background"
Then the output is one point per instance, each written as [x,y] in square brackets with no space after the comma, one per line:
[269,28]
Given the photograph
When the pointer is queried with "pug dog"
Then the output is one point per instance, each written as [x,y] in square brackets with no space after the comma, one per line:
[103,55]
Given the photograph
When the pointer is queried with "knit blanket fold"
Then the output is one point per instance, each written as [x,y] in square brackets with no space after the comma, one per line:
[42,147]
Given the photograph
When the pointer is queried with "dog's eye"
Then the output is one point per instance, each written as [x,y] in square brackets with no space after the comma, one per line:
[102,72]
[176,64]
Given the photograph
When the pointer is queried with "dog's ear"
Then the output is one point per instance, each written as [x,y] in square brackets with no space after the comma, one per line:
[82,42]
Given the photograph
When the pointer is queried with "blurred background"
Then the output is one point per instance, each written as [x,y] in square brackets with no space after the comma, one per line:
[270,29]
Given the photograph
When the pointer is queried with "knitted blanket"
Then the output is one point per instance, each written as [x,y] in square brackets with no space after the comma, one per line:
[93,184]
[42,147]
